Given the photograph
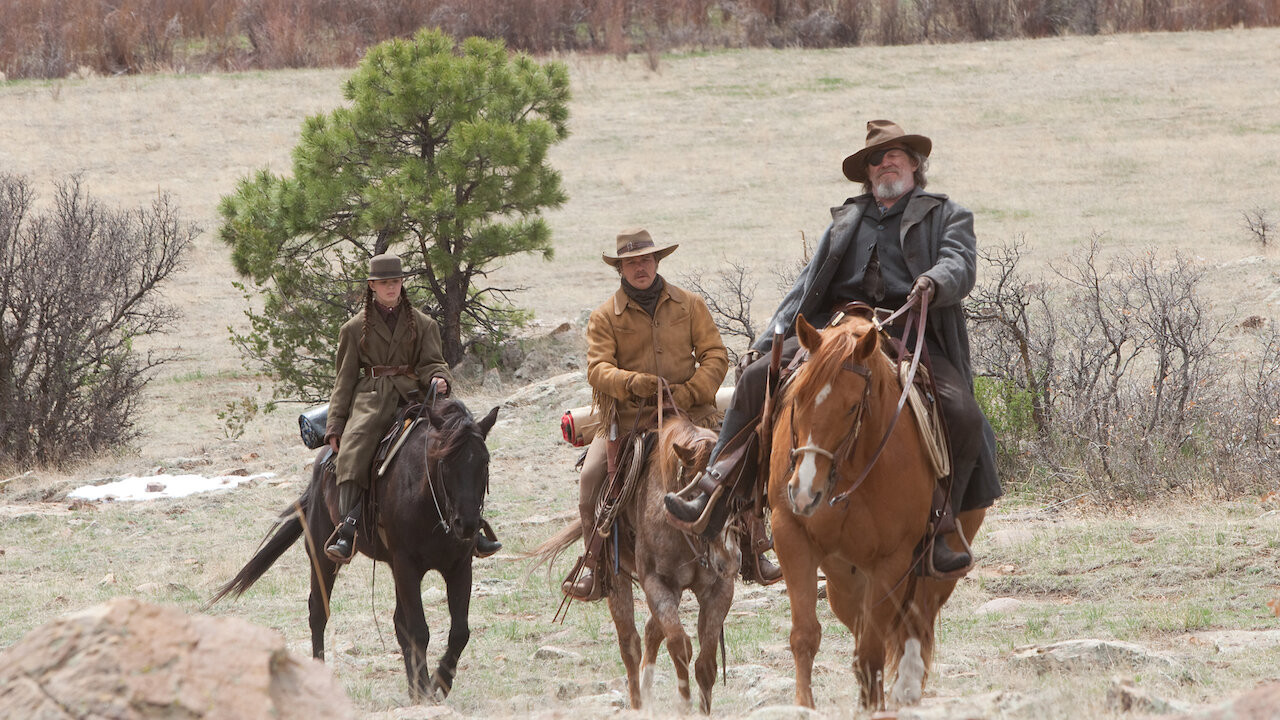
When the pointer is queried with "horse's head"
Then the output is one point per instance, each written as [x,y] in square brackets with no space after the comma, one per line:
[684,449]
[828,401]
[458,465]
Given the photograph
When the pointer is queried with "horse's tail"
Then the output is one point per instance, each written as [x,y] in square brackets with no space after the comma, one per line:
[551,548]
[282,535]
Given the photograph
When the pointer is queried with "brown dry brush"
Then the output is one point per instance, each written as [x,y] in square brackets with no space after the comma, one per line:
[1139,388]
[79,285]
[55,38]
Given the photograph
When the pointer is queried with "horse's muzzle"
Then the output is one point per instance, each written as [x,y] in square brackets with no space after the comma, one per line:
[802,503]
[464,529]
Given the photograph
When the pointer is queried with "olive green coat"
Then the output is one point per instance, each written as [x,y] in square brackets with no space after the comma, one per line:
[361,408]
[680,343]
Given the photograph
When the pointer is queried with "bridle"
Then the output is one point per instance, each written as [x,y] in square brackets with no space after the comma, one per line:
[851,437]
[447,510]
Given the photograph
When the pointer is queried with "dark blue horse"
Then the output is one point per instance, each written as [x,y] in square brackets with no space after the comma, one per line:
[424,515]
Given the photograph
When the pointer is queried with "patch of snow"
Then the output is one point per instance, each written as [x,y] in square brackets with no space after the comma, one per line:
[161,486]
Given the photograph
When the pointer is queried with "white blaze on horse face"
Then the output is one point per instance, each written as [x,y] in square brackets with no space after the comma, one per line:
[806,473]
[822,395]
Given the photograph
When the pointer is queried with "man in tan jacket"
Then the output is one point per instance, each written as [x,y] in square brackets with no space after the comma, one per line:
[648,329]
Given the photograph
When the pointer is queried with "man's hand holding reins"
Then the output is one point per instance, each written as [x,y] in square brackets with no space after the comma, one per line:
[921,292]
[642,385]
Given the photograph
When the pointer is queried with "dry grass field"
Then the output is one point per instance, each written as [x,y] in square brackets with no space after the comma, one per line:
[1151,141]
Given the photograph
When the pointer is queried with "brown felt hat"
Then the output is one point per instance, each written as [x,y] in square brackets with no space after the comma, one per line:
[386,267]
[637,242]
[883,134]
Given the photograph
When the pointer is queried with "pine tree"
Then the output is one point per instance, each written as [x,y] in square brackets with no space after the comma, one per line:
[440,156]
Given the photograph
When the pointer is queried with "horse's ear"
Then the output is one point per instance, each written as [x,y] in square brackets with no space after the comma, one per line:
[487,423]
[687,455]
[867,344]
[810,339]
[433,417]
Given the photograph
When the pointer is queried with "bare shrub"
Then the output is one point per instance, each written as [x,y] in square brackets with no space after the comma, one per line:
[728,295]
[1132,390]
[1017,336]
[78,287]
[1259,225]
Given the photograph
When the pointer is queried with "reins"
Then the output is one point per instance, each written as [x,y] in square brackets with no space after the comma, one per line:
[846,444]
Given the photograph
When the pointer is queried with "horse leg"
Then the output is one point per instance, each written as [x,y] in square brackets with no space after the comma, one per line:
[800,571]
[664,606]
[653,637]
[622,608]
[937,592]
[323,574]
[411,626]
[458,589]
[858,603]
[713,606]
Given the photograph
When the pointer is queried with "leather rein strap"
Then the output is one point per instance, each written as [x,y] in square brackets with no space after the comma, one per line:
[846,445]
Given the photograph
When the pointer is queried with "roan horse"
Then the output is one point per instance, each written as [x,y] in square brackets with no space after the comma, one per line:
[665,564]
[831,420]
[428,506]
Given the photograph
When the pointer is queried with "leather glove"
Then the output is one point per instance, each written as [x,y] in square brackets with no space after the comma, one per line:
[642,385]
[744,361]
[682,396]
[921,291]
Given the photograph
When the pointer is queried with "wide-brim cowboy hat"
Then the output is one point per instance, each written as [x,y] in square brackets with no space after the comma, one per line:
[634,243]
[386,267]
[882,134]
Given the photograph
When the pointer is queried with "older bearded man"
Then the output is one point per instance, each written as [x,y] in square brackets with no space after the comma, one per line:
[895,244]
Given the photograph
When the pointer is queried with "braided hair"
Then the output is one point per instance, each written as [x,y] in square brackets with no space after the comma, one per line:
[408,312]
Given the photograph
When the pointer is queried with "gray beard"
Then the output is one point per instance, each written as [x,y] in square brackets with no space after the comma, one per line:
[891,189]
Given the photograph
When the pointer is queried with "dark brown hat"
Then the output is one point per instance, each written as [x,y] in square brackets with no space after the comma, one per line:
[637,242]
[386,267]
[881,134]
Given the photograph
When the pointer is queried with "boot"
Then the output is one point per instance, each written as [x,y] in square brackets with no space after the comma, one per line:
[583,588]
[769,573]
[686,510]
[342,544]
[946,560]
[486,541]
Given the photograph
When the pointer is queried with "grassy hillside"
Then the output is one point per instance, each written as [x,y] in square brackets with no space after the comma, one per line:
[1152,141]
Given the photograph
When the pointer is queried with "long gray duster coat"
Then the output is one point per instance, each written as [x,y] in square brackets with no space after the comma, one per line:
[361,408]
[937,240]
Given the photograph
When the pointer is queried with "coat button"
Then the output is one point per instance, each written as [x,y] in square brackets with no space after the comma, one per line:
[659,351]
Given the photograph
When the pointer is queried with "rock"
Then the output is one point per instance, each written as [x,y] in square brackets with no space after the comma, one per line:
[1072,655]
[785,712]
[1124,696]
[1259,704]
[998,605]
[492,379]
[511,356]
[551,652]
[1009,536]
[771,690]
[1229,642]
[127,659]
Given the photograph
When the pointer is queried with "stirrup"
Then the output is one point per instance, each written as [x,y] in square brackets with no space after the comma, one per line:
[333,539]
[931,572]
[696,527]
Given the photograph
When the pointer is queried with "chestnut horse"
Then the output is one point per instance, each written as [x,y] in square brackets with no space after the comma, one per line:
[831,420]
[665,563]
[428,510]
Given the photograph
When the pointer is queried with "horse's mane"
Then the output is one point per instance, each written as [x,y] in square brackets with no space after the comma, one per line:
[837,346]
[457,423]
